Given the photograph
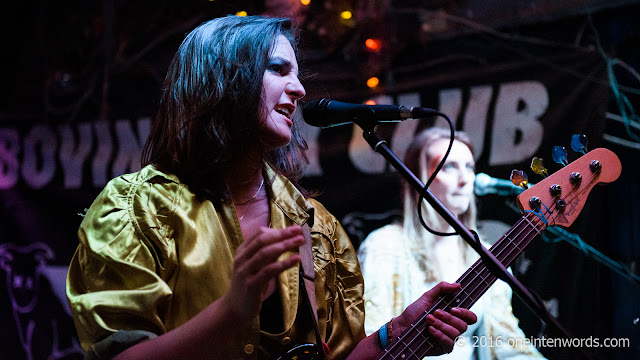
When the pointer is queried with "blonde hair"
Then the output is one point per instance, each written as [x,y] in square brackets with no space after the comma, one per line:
[420,240]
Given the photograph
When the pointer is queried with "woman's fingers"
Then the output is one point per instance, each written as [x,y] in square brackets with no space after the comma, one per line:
[448,324]
[265,237]
[444,326]
[256,264]
[441,289]
[465,315]
[263,251]
[272,270]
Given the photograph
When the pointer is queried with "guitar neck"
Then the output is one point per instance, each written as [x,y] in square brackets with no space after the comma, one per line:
[562,195]
[416,342]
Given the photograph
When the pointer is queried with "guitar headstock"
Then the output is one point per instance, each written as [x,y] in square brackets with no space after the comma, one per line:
[559,198]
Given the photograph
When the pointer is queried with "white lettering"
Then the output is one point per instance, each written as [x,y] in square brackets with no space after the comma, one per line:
[475,117]
[129,146]
[38,164]
[9,164]
[450,104]
[404,132]
[103,153]
[517,133]
[360,152]
[74,153]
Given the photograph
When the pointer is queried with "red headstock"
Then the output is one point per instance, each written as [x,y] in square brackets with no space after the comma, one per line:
[563,208]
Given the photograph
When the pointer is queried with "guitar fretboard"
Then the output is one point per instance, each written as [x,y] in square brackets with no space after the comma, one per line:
[415,343]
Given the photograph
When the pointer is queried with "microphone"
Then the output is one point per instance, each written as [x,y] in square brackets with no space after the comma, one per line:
[485,184]
[326,113]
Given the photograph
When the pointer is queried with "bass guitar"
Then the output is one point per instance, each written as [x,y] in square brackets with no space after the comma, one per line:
[556,200]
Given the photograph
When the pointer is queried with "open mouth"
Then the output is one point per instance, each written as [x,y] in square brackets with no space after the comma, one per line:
[285,111]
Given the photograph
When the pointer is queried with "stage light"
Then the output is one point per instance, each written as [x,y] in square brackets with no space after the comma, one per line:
[346,15]
[373,44]
[370,102]
[373,82]
[305,2]
[241,13]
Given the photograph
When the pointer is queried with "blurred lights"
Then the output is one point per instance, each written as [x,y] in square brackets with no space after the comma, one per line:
[370,102]
[346,15]
[373,82]
[241,13]
[305,2]
[373,44]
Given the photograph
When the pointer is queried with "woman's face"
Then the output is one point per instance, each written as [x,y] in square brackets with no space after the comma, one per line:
[281,89]
[453,185]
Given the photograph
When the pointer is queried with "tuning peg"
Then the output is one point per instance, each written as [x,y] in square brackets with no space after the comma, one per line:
[538,167]
[579,143]
[519,178]
[559,155]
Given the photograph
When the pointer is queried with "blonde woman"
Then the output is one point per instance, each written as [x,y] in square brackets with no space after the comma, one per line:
[400,261]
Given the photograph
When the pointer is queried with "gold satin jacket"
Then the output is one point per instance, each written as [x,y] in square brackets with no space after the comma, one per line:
[152,256]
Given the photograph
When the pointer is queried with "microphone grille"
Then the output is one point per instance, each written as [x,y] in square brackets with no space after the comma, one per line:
[313,111]
[482,184]
[482,180]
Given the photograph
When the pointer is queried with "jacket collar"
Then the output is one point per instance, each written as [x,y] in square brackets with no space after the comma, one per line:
[287,197]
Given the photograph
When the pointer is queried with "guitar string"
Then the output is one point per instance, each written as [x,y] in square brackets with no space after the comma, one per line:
[552,205]
[570,196]
[578,190]
[484,274]
[470,292]
[439,303]
[486,284]
[514,247]
[575,191]
[477,273]
[550,212]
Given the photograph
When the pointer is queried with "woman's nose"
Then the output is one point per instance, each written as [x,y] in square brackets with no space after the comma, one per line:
[295,89]
[467,176]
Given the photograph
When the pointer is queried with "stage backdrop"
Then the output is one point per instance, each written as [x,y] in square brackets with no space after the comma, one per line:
[513,105]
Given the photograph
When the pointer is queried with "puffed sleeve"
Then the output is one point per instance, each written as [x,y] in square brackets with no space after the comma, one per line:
[379,256]
[503,325]
[339,294]
[117,279]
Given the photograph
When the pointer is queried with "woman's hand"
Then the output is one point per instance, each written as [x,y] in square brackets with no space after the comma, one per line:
[209,333]
[445,327]
[256,265]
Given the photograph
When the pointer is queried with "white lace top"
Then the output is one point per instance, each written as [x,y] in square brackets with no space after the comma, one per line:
[393,280]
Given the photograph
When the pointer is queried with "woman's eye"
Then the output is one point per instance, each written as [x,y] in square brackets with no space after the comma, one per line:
[277,68]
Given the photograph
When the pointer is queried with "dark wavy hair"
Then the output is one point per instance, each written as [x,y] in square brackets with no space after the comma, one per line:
[211,104]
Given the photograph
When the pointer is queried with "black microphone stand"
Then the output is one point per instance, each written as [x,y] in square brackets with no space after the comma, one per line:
[365,119]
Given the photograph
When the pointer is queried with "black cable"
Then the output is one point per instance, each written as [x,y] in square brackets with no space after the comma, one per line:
[433,176]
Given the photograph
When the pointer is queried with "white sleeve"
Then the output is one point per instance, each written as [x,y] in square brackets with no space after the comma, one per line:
[379,257]
[503,325]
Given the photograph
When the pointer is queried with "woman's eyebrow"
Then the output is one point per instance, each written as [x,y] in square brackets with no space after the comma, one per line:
[281,61]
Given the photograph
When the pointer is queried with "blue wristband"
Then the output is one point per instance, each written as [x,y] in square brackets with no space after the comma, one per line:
[384,337]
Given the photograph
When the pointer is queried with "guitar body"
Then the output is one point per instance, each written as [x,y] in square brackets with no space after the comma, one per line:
[557,200]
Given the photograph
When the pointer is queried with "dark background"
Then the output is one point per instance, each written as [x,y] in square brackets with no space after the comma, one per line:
[68,63]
